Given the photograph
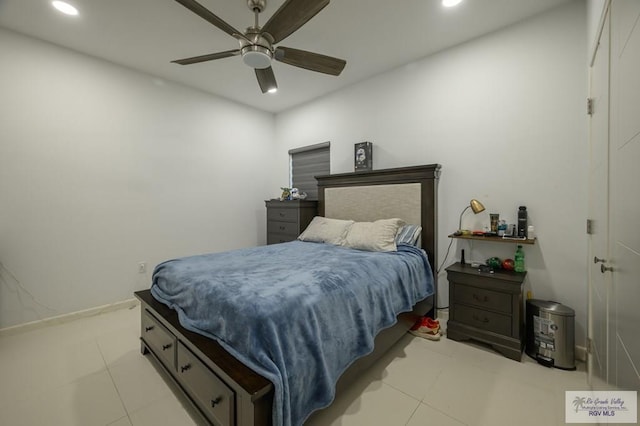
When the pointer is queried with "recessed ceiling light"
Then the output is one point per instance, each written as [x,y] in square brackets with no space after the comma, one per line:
[273,90]
[65,8]
[451,3]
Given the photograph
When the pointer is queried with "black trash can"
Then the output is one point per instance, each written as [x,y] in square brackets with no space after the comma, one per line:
[551,334]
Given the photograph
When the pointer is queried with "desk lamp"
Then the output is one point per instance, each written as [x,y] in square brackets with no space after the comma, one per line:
[476,206]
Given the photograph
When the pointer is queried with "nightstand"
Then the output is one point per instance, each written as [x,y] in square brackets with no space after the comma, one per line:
[487,307]
[287,219]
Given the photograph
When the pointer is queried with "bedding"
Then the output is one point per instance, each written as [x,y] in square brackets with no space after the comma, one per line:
[409,234]
[298,313]
[326,230]
[374,236]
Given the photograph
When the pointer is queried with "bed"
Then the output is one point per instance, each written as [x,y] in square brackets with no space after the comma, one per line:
[230,386]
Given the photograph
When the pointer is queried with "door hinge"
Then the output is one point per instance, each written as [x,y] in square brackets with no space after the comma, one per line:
[590,106]
[589,227]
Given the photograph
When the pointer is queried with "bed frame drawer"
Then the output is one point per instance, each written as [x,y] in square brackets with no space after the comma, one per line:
[161,341]
[210,393]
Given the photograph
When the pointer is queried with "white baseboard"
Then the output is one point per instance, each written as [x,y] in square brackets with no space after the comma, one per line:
[581,353]
[64,318]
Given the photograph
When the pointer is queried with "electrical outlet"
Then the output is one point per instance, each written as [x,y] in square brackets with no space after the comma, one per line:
[142,267]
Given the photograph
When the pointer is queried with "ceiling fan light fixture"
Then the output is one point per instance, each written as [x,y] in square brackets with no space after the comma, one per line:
[65,8]
[257,57]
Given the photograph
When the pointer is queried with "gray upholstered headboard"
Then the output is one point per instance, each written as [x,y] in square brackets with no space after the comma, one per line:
[369,203]
[410,193]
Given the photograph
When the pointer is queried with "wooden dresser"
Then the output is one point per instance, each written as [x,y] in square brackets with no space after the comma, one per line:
[487,307]
[287,219]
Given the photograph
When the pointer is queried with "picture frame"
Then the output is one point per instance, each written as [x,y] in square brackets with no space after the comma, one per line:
[363,157]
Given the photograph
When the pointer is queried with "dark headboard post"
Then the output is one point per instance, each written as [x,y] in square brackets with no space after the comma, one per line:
[427,176]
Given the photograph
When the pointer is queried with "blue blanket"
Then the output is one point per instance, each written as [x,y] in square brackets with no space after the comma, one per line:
[297,313]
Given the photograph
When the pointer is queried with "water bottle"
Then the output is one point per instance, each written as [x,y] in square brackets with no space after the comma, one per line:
[522,221]
[519,260]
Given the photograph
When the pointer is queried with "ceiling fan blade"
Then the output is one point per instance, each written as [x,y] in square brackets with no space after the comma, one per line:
[266,79]
[209,57]
[206,14]
[292,15]
[310,61]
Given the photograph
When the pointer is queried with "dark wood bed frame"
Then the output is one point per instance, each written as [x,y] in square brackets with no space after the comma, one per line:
[226,392]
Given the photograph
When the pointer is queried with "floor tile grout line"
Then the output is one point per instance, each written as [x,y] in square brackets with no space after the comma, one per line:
[400,390]
[412,414]
[106,366]
[444,413]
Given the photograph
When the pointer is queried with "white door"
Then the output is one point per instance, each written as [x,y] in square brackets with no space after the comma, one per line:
[624,338]
[599,295]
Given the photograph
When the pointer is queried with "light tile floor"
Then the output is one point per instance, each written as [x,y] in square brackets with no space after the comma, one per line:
[90,372]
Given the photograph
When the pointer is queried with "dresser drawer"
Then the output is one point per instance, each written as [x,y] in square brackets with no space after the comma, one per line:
[282,214]
[276,227]
[273,238]
[210,393]
[490,321]
[482,298]
[159,339]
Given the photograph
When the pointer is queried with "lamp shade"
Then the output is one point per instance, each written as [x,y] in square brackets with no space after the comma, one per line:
[476,206]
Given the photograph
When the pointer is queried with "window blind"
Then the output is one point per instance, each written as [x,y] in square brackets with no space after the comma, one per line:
[306,163]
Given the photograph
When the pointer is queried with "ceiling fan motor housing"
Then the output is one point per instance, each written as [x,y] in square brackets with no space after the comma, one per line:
[259,54]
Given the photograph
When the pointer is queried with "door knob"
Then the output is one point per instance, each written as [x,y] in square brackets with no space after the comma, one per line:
[597,260]
[604,269]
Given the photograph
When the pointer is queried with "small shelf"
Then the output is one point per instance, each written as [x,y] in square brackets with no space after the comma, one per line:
[493,239]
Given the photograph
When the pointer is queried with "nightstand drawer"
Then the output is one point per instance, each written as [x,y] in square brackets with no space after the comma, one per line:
[276,227]
[282,214]
[482,298]
[485,320]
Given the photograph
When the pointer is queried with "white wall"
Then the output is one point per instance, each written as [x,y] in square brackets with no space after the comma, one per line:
[505,116]
[102,167]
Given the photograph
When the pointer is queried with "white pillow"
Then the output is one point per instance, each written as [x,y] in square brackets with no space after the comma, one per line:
[325,230]
[374,236]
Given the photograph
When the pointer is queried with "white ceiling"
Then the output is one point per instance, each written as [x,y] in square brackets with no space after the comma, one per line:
[373,36]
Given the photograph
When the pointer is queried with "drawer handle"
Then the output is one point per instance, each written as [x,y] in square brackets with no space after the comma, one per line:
[282,228]
[480,299]
[185,368]
[484,320]
[216,401]
[282,214]
[167,346]
[149,328]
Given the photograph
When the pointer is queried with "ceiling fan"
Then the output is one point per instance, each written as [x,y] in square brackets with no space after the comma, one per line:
[257,43]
